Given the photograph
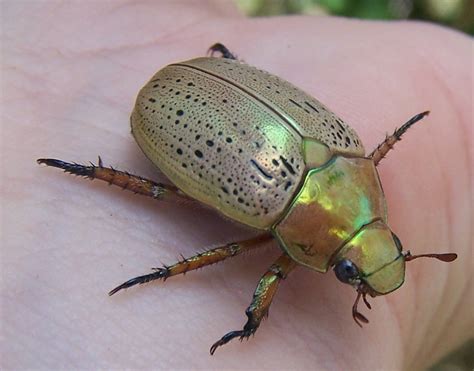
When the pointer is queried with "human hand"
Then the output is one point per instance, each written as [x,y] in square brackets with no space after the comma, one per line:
[71,72]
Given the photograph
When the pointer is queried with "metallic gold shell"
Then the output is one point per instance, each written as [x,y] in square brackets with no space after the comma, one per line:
[335,202]
[231,136]
[380,262]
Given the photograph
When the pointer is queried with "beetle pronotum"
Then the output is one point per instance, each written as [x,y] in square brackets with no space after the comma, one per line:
[268,155]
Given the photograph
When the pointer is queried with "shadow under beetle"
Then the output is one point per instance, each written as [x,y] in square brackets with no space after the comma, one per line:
[268,155]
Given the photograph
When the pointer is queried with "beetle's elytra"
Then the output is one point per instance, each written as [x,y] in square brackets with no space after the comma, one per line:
[268,155]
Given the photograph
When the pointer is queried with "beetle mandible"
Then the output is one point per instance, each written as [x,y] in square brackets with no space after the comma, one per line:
[264,153]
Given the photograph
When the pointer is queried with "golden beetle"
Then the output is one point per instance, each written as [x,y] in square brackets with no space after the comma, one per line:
[268,155]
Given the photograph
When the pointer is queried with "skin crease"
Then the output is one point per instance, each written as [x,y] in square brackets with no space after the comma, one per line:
[70,74]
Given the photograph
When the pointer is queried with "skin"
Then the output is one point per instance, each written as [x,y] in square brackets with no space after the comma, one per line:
[70,75]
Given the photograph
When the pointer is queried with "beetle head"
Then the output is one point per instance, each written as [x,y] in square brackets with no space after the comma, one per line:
[373,262]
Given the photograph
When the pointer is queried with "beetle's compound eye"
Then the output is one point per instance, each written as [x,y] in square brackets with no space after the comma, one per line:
[346,271]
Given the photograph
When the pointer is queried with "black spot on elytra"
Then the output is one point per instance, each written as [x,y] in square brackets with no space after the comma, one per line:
[260,170]
[296,104]
[340,125]
[312,107]
[287,165]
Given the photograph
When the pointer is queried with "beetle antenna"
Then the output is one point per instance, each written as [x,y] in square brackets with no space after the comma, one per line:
[448,257]
[383,148]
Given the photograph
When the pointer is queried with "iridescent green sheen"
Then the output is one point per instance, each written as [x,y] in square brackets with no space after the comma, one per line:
[388,278]
[315,153]
[335,202]
[374,252]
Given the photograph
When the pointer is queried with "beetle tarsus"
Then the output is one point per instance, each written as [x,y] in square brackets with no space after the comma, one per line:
[383,148]
[122,179]
[220,48]
[197,261]
[400,131]
[72,168]
[241,334]
[160,273]
[262,298]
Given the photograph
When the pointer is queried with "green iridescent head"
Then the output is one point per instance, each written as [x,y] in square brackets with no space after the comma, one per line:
[373,262]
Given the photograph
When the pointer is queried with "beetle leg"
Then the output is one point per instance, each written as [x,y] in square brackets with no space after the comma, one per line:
[197,261]
[220,48]
[262,298]
[383,148]
[119,178]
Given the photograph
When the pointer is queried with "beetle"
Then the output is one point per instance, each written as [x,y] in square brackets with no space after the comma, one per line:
[265,154]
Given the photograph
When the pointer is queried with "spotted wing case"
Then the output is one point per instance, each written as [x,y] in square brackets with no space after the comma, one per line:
[234,137]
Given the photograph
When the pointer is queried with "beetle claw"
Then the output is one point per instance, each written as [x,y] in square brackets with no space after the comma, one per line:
[225,339]
[241,334]
[160,273]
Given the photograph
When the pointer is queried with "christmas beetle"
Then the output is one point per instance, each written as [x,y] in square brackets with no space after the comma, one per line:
[264,153]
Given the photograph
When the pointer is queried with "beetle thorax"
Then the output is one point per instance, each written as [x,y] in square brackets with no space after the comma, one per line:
[334,203]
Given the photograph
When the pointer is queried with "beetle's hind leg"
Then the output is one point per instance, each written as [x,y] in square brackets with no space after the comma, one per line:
[119,178]
[197,261]
[262,298]
[220,48]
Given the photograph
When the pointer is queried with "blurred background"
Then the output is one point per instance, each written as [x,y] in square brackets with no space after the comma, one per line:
[458,14]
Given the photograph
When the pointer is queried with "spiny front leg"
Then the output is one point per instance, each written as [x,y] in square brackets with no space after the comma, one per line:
[197,261]
[119,178]
[220,48]
[262,298]
[383,148]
